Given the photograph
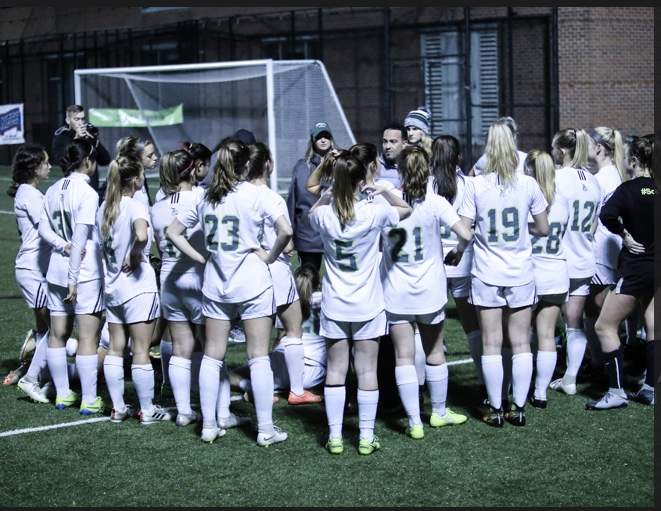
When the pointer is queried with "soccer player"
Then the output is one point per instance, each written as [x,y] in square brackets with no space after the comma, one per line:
[237,282]
[415,292]
[352,307]
[499,201]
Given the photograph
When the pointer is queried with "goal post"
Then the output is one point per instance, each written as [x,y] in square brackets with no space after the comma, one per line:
[278,100]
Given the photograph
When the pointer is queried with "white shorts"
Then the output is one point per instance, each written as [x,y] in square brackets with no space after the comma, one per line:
[261,306]
[579,287]
[140,309]
[460,287]
[486,295]
[314,374]
[33,286]
[181,297]
[89,299]
[284,286]
[433,318]
[355,330]
[603,275]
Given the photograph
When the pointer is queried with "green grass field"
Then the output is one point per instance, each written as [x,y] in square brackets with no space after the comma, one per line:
[564,457]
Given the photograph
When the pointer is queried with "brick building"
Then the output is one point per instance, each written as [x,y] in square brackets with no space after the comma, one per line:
[548,67]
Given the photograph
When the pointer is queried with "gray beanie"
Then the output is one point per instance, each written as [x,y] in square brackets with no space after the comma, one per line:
[419,118]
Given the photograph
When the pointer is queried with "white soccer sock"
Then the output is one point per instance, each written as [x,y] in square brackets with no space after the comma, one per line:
[113,370]
[294,357]
[88,372]
[224,394]
[576,345]
[166,355]
[475,349]
[261,378]
[521,377]
[367,404]
[209,386]
[544,367]
[437,381]
[492,368]
[407,385]
[57,365]
[143,381]
[39,357]
[180,381]
[334,400]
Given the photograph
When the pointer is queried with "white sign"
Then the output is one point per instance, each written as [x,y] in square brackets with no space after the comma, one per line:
[12,130]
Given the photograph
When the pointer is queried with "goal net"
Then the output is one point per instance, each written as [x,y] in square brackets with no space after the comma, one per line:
[278,101]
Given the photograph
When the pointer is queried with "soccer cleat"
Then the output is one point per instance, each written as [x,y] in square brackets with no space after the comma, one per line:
[233,421]
[494,418]
[237,333]
[645,396]
[306,398]
[184,419]
[335,446]
[366,447]
[97,407]
[32,389]
[247,397]
[210,434]
[538,403]
[15,375]
[116,416]
[516,416]
[66,402]
[607,402]
[450,418]
[29,345]
[567,388]
[157,414]
[416,432]
[265,440]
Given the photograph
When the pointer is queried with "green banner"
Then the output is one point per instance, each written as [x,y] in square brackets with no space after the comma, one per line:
[128,118]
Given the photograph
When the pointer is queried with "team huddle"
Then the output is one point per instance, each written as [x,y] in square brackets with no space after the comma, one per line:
[519,242]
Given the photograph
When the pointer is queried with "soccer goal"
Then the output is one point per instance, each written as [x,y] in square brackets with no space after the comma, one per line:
[277,100]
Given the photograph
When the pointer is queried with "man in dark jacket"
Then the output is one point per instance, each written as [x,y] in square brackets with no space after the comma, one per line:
[77,127]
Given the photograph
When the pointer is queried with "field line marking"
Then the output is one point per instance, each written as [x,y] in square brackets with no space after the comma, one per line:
[54,426]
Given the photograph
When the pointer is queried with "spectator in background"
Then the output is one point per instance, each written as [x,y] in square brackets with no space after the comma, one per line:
[77,127]
[307,242]
[418,128]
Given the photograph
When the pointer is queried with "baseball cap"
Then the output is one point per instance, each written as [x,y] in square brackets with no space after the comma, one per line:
[320,127]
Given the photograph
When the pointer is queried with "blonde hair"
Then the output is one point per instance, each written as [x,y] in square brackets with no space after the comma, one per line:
[120,173]
[307,281]
[611,141]
[575,141]
[501,152]
[541,164]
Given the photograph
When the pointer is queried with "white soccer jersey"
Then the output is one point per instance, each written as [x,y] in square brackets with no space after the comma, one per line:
[502,250]
[270,234]
[68,202]
[351,286]
[232,231]
[450,240]
[162,213]
[121,286]
[34,252]
[314,345]
[585,197]
[412,269]
[607,245]
[548,256]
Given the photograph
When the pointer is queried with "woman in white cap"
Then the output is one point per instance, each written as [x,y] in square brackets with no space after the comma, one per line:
[417,128]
